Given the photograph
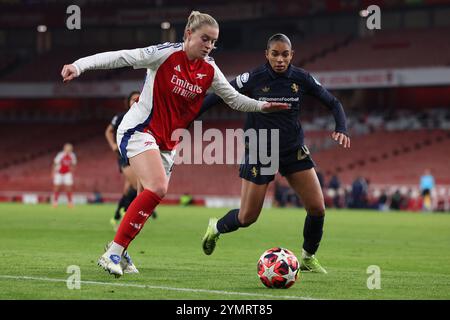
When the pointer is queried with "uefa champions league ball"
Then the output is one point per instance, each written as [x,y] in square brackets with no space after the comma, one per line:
[278,268]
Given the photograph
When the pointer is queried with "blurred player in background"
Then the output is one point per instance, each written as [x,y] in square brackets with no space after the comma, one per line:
[62,173]
[130,185]
[178,76]
[427,185]
[279,81]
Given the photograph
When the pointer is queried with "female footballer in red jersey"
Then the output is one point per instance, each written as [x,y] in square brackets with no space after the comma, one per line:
[62,173]
[178,76]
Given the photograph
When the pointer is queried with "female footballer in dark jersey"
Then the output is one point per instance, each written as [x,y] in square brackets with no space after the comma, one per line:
[279,81]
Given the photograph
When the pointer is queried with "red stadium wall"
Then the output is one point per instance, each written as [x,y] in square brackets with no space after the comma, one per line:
[422,97]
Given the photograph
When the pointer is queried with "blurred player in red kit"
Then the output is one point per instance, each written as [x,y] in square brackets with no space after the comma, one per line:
[62,173]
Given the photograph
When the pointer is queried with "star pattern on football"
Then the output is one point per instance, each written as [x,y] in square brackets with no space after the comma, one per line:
[278,268]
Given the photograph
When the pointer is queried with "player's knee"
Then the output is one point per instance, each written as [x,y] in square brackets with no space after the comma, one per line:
[316,210]
[246,221]
[161,190]
[157,187]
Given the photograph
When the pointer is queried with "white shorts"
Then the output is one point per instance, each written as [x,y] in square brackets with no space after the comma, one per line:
[63,179]
[139,142]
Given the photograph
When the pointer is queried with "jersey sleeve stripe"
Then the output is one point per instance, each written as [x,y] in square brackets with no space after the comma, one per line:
[168,45]
[239,82]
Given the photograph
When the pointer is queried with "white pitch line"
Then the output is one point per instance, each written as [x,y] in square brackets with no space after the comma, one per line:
[145,286]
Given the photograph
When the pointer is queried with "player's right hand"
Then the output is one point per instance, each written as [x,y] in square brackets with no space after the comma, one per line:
[69,72]
[343,139]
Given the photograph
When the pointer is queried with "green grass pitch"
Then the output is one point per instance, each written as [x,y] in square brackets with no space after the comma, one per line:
[38,243]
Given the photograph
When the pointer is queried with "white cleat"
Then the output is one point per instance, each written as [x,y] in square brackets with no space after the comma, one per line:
[111,263]
[125,262]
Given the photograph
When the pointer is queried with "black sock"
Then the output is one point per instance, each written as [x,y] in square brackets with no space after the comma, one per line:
[229,222]
[120,205]
[129,197]
[312,233]
[117,214]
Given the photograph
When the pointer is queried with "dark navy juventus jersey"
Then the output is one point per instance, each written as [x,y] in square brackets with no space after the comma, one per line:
[289,87]
[115,122]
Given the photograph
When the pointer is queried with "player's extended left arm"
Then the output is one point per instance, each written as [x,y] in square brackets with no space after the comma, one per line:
[340,132]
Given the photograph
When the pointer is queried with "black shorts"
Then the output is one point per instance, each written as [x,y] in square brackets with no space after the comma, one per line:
[294,161]
[122,162]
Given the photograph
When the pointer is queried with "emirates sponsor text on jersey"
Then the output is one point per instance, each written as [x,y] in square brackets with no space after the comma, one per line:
[185,88]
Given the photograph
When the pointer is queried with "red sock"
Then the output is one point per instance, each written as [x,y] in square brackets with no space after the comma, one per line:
[69,196]
[138,212]
[55,196]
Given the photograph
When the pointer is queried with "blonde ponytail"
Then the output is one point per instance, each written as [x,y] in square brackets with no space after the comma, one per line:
[197,20]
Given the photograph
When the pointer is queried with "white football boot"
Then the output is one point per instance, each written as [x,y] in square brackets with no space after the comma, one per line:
[125,262]
[111,263]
